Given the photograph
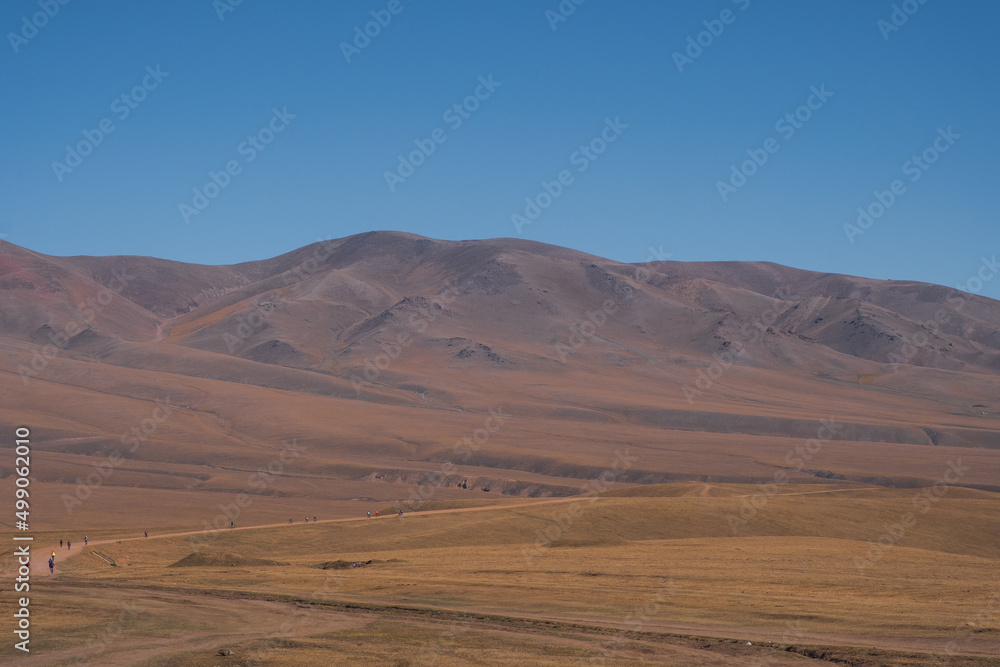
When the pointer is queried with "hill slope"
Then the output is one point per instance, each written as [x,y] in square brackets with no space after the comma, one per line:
[400,365]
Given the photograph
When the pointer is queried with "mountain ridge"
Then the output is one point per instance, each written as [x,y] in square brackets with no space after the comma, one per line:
[711,369]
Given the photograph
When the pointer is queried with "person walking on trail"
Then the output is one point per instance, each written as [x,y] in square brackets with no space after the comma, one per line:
[60,544]
[376,512]
[68,544]
[84,540]
[369,514]
[314,518]
[52,566]
[145,533]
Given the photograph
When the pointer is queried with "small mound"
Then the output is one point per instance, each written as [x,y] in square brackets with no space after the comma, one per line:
[342,564]
[217,559]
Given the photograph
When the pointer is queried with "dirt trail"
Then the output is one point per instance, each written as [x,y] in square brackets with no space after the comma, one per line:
[224,622]
[40,557]
[40,566]
[357,612]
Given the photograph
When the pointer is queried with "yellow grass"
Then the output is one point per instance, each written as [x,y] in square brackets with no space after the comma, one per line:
[467,582]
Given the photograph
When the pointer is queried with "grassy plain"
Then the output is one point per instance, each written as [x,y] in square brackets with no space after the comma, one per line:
[649,575]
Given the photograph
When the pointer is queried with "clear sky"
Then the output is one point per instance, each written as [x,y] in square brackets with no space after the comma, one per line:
[309,128]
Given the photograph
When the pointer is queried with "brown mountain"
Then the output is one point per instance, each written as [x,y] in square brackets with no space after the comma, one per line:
[382,356]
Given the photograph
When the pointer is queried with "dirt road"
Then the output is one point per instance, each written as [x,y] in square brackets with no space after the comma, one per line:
[39,565]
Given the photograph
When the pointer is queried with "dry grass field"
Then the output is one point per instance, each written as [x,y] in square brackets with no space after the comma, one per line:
[645,575]
[728,463]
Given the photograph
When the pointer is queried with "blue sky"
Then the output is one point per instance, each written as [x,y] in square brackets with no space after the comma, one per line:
[277,72]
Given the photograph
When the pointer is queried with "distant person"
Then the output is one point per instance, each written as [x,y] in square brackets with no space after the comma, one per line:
[52,566]
[289,519]
[145,533]
[84,540]
[307,519]
[376,512]
[369,516]
[53,554]
[60,544]
[232,524]
[314,518]
[69,544]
